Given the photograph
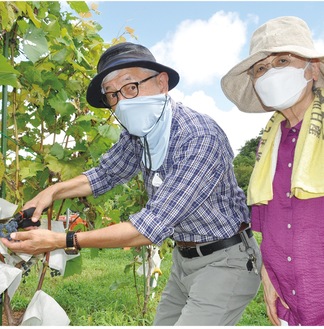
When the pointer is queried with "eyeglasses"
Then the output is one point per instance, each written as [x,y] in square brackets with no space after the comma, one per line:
[130,90]
[279,62]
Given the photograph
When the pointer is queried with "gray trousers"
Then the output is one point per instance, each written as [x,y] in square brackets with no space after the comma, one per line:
[210,290]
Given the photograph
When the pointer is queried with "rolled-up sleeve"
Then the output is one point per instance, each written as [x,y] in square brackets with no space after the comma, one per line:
[117,166]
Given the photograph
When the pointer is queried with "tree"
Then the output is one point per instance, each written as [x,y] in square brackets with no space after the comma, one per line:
[244,162]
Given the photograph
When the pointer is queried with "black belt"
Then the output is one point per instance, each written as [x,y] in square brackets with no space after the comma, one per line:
[207,249]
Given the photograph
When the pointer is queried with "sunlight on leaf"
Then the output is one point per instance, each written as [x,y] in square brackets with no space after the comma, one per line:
[35,44]
[129,30]
[33,18]
[8,75]
[79,6]
[29,169]
[86,15]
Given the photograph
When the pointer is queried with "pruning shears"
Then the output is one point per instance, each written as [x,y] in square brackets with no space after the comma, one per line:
[23,218]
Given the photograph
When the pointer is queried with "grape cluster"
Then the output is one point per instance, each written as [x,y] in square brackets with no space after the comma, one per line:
[26,266]
[55,272]
[8,228]
[26,270]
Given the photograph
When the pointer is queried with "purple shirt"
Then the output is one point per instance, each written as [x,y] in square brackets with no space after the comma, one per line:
[293,242]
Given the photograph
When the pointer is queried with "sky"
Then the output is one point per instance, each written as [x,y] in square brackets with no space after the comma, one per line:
[202,41]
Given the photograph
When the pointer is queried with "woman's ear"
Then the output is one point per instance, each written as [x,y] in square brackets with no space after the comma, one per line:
[315,65]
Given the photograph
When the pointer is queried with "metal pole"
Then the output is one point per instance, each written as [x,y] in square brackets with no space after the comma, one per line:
[4,134]
[4,139]
[4,114]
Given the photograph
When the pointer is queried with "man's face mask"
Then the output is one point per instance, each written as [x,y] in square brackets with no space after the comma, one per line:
[139,115]
[148,117]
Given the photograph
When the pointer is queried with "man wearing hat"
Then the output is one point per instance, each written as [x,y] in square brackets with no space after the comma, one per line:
[285,74]
[186,162]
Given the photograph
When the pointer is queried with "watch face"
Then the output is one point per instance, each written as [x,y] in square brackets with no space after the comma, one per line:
[71,251]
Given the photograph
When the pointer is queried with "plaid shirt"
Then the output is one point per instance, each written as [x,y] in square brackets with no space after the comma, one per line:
[199,199]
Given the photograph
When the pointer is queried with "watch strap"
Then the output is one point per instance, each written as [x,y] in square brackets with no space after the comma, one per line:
[69,239]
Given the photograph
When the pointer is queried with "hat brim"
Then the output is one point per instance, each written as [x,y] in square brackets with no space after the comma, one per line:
[237,84]
[94,95]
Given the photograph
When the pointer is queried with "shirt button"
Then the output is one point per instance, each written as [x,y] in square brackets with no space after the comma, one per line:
[294,130]
[289,225]
[288,194]
[289,259]
[289,165]
[293,140]
[293,292]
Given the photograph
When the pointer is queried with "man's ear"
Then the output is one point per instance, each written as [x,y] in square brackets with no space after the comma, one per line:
[163,81]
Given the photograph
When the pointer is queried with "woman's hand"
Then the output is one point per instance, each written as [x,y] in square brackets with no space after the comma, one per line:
[270,297]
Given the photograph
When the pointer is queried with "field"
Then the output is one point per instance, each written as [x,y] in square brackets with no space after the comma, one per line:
[103,295]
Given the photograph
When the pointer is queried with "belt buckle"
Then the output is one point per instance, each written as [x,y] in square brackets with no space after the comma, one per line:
[184,251]
[184,248]
[187,249]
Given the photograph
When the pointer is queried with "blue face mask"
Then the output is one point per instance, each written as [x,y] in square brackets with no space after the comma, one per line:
[139,115]
[148,117]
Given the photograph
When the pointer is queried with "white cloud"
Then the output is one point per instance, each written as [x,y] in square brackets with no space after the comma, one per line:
[238,126]
[203,50]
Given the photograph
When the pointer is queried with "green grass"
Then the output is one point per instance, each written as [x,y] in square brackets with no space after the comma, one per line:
[103,295]
[255,313]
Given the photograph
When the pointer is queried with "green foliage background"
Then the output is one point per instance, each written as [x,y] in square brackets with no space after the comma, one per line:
[48,58]
[244,162]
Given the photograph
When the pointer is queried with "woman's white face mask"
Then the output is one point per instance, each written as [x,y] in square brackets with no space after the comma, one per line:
[281,88]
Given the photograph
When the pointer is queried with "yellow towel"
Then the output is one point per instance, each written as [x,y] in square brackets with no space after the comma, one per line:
[307,175]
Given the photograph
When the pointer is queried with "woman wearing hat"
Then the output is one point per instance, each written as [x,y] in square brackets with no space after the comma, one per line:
[186,162]
[285,74]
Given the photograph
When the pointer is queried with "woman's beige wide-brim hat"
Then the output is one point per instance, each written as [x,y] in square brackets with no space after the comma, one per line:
[282,34]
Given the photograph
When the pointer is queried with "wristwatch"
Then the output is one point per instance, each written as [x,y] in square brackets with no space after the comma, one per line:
[70,248]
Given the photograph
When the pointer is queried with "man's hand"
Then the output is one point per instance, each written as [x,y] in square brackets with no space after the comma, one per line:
[72,188]
[270,297]
[35,242]
[40,202]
